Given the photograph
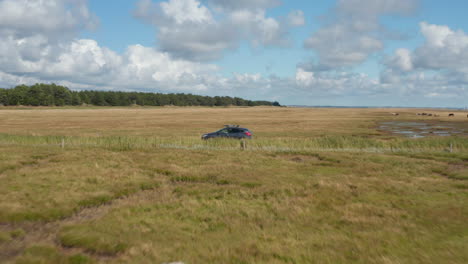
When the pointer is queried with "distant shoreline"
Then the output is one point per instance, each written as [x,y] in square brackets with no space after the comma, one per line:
[374,107]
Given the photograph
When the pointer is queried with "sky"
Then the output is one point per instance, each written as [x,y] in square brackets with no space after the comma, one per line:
[331,52]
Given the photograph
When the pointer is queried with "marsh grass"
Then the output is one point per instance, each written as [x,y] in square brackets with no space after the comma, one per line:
[140,186]
[324,143]
[96,241]
[59,183]
[360,209]
[50,255]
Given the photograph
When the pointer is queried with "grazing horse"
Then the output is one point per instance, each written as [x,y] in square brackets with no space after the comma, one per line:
[451,114]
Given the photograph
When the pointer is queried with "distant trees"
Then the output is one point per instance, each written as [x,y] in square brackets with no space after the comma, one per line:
[56,95]
[36,95]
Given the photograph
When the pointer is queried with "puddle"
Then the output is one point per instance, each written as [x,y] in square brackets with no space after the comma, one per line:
[423,129]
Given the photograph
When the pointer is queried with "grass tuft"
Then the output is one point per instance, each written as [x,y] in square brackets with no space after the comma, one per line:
[50,255]
[95,201]
[95,242]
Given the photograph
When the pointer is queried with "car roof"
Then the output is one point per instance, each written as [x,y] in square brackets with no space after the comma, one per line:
[236,127]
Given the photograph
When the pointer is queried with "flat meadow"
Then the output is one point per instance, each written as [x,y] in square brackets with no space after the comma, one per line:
[314,185]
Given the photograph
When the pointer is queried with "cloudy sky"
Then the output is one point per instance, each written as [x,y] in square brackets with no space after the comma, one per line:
[328,52]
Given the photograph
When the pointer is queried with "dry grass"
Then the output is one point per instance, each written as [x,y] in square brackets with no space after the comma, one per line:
[103,204]
[275,129]
[166,121]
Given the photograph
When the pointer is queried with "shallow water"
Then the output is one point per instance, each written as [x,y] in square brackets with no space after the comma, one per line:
[422,129]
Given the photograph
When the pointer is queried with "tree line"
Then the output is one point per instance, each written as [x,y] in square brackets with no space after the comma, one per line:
[56,95]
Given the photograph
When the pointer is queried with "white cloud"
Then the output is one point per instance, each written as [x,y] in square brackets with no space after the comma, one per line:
[337,83]
[52,17]
[31,53]
[304,78]
[35,35]
[8,80]
[261,30]
[244,4]
[186,11]
[402,60]
[197,43]
[150,68]
[435,35]
[444,49]
[444,52]
[353,32]
[418,84]
[187,29]
[296,18]
[437,70]
[245,77]
[82,60]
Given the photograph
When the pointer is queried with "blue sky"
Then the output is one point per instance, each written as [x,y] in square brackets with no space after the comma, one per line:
[333,52]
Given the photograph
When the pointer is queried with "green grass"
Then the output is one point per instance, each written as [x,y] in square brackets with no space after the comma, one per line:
[263,207]
[344,214]
[50,255]
[338,198]
[104,241]
[63,182]
[325,143]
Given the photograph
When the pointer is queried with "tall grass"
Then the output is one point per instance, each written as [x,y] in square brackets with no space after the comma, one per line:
[324,143]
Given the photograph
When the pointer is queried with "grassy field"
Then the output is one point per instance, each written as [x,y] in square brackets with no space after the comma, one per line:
[137,185]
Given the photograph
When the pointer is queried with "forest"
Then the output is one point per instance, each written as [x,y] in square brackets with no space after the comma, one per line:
[56,95]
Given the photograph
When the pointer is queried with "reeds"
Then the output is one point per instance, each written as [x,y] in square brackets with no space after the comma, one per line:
[287,144]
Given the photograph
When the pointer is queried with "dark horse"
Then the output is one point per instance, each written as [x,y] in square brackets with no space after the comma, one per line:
[451,114]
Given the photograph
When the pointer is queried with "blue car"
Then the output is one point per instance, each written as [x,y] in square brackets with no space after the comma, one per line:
[230,131]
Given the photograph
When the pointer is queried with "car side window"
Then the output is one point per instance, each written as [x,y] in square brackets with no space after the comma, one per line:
[235,130]
[223,131]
